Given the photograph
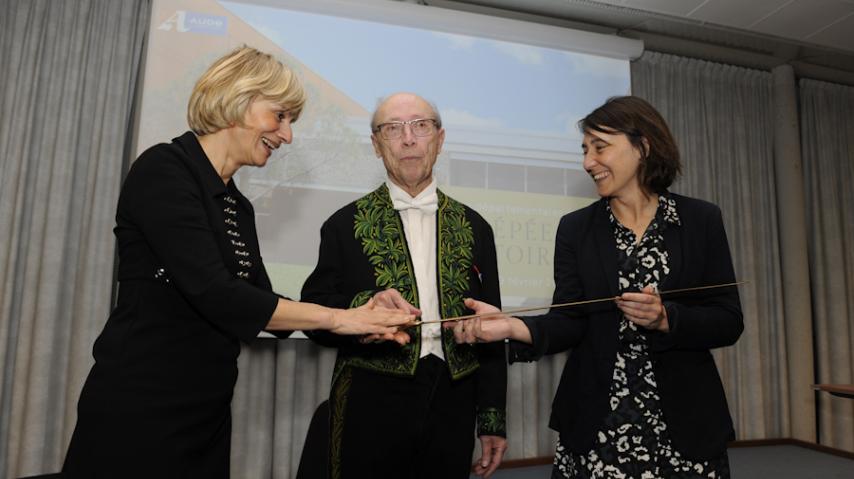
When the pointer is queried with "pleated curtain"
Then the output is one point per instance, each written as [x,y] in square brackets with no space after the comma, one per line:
[827,144]
[722,119]
[68,71]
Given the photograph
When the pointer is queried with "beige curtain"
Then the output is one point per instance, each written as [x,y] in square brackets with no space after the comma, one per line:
[280,385]
[67,76]
[827,144]
[530,390]
[722,118]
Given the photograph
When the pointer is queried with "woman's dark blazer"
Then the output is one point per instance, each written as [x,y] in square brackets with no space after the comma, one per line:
[692,396]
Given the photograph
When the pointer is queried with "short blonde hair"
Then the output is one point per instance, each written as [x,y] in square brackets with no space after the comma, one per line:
[222,95]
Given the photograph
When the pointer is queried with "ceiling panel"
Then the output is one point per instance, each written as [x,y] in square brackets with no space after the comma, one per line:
[799,19]
[736,13]
[783,28]
[669,7]
[839,35]
[711,34]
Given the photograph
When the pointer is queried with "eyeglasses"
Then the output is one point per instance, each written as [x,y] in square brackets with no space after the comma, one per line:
[394,129]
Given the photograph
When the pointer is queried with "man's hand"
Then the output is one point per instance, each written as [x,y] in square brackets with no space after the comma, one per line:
[492,453]
[495,327]
[391,299]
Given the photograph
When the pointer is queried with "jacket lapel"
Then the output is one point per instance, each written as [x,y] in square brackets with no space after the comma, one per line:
[673,245]
[606,246]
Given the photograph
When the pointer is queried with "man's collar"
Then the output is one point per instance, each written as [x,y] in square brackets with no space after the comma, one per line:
[427,201]
[397,192]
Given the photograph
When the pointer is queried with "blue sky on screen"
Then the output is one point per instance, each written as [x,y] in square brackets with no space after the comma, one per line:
[475,81]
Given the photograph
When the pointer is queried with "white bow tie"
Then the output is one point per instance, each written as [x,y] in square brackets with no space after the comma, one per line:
[427,204]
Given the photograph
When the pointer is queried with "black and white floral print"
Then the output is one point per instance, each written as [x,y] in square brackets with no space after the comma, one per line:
[634,441]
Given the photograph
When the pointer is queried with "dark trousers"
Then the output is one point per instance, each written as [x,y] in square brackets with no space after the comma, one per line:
[417,427]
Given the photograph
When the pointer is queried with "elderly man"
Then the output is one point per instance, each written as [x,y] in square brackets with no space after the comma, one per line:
[406,405]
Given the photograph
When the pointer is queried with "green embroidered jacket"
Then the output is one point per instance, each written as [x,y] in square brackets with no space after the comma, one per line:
[363,250]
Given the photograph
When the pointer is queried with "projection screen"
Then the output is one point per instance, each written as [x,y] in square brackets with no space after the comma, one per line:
[509,92]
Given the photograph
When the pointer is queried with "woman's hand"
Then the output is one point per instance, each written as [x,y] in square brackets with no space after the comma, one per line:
[495,327]
[391,299]
[644,309]
[370,319]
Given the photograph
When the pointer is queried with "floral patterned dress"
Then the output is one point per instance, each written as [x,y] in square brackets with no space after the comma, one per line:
[634,440]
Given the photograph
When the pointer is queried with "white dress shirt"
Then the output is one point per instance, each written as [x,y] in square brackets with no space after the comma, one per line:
[419,224]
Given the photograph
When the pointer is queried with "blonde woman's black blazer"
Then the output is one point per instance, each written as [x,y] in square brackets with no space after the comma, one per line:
[157,402]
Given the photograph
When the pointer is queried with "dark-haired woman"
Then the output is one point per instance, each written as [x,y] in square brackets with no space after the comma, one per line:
[640,396]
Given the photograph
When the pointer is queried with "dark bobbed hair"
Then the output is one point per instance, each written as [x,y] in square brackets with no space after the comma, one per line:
[639,121]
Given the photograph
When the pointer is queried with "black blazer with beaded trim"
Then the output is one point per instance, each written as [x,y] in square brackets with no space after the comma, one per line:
[157,400]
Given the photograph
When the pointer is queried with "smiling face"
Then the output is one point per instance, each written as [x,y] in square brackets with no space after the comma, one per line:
[266,126]
[613,163]
[408,159]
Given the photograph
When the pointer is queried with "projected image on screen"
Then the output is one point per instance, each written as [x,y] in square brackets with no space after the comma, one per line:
[512,149]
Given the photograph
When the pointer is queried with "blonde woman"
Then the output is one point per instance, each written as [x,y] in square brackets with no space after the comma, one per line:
[157,401]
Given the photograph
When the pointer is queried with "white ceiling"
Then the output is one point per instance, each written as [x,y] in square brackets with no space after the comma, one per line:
[829,23]
[763,33]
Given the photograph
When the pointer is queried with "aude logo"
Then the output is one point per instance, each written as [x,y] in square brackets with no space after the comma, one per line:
[183,21]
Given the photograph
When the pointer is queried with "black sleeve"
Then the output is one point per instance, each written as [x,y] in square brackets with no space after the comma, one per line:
[559,329]
[265,283]
[492,374]
[163,200]
[705,319]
